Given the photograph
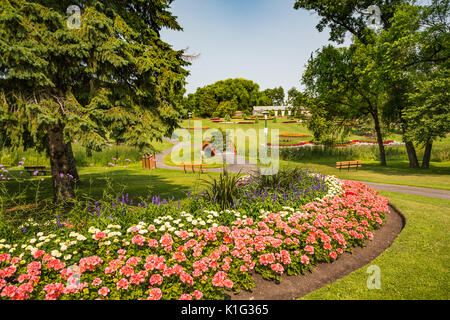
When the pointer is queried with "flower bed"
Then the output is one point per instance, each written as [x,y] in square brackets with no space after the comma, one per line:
[197,128]
[293,135]
[346,144]
[189,257]
[245,122]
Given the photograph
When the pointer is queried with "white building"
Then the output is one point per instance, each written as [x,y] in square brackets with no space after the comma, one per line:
[279,110]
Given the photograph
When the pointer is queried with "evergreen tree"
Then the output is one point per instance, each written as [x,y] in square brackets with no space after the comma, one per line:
[112,76]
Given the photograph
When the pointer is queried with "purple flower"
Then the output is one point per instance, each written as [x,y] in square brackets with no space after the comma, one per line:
[61,175]
[35,173]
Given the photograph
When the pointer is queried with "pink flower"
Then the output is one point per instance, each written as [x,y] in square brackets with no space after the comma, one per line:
[100,235]
[309,249]
[219,278]
[155,294]
[138,239]
[156,279]
[333,255]
[197,294]
[277,267]
[103,291]
[167,241]
[152,243]
[185,296]
[127,271]
[122,284]
[304,259]
[5,257]
[133,261]
[96,282]
[228,283]
[186,278]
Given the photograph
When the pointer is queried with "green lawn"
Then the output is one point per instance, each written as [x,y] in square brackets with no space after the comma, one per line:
[95,181]
[416,266]
[193,156]
[397,172]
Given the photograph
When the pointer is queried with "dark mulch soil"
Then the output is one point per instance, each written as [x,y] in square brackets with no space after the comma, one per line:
[294,287]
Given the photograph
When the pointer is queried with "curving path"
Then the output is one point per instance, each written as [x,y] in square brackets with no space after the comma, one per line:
[294,287]
[236,163]
[416,191]
[240,164]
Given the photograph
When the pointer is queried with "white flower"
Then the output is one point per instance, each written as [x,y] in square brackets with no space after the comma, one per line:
[56,253]
[68,257]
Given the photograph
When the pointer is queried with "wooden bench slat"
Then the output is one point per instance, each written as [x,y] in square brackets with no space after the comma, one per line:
[348,164]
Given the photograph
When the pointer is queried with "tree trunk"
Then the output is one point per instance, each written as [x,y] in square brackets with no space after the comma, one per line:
[72,163]
[379,139]
[61,161]
[427,155]
[412,155]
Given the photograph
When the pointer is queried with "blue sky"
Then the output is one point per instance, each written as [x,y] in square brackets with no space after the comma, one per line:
[266,41]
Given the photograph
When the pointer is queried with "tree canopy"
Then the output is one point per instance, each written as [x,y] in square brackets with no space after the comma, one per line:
[112,77]
[225,97]
[384,73]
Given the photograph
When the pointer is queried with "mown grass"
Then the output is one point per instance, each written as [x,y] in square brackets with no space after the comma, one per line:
[414,267]
[398,172]
[11,157]
[191,155]
[97,182]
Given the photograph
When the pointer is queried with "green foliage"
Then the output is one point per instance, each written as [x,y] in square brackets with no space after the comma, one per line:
[222,191]
[429,113]
[275,96]
[112,76]
[343,17]
[230,94]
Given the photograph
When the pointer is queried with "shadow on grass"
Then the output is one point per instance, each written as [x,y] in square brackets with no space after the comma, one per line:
[97,183]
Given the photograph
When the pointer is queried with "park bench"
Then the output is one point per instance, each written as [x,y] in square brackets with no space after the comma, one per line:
[193,167]
[348,164]
[40,169]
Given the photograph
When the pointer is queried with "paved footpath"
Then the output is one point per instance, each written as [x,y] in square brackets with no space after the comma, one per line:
[236,163]
[244,166]
[416,191]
